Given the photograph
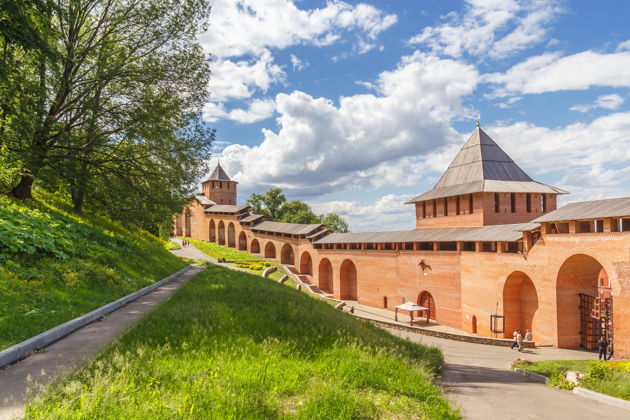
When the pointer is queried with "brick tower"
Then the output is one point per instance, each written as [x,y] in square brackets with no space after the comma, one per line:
[219,187]
[483,186]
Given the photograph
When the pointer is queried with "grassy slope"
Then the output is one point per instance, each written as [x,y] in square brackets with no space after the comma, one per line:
[218,251]
[234,345]
[611,378]
[55,266]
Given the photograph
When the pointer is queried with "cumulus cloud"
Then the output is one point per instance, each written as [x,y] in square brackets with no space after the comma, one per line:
[388,213]
[365,140]
[249,27]
[573,149]
[612,101]
[552,72]
[298,65]
[240,79]
[258,110]
[494,28]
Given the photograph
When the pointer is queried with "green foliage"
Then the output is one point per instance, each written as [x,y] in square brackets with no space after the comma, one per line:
[610,378]
[170,245]
[55,265]
[253,266]
[247,347]
[274,206]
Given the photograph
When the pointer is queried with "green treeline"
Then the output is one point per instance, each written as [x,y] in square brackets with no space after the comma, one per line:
[275,207]
[100,101]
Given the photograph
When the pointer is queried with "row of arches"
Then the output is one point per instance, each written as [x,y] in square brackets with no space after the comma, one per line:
[217,234]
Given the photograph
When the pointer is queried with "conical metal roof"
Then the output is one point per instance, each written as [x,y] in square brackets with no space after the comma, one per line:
[218,174]
[481,165]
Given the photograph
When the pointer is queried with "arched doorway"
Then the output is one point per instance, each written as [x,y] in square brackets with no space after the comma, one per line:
[270,250]
[242,241]
[473,327]
[212,231]
[255,247]
[577,295]
[348,281]
[306,264]
[325,273]
[286,255]
[188,224]
[179,229]
[520,303]
[426,299]
[231,236]
[221,232]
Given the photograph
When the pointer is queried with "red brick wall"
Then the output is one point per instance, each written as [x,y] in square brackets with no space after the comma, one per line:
[221,192]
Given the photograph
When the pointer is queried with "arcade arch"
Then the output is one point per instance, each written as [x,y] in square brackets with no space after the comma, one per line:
[270,250]
[348,281]
[255,247]
[577,289]
[242,241]
[212,231]
[179,230]
[188,223]
[325,273]
[221,232]
[231,236]
[306,264]
[286,255]
[520,303]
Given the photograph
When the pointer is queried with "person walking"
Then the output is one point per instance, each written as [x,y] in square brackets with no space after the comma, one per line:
[514,343]
[519,341]
[602,344]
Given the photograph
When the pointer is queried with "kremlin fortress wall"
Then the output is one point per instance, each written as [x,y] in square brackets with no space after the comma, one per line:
[491,252]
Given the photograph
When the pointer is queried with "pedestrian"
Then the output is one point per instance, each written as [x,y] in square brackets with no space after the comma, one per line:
[519,341]
[528,335]
[514,343]
[602,344]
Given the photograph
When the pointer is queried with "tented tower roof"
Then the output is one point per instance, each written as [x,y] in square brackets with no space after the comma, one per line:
[481,165]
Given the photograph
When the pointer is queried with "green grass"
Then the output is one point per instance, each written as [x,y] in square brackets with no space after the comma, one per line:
[611,378]
[55,266]
[171,245]
[233,345]
[219,251]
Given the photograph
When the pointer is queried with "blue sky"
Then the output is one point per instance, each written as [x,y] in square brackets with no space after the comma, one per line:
[355,107]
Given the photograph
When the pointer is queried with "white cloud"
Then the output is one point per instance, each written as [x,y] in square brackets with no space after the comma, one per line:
[495,28]
[298,65]
[258,110]
[624,46]
[612,101]
[552,72]
[240,79]
[365,140]
[573,149]
[388,213]
[249,27]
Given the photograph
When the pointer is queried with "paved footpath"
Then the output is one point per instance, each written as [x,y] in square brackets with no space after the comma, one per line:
[69,352]
[478,381]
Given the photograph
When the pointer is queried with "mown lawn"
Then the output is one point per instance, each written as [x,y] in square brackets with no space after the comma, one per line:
[233,345]
[219,251]
[55,266]
[611,378]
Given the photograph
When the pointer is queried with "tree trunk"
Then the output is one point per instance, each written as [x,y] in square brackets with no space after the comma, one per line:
[23,190]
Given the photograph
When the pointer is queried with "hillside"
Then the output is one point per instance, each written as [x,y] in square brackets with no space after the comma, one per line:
[55,265]
[236,345]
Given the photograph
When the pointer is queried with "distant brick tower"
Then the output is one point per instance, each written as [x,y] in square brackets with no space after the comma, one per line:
[219,187]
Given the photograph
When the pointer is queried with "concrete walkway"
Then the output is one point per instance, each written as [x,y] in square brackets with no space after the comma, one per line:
[69,352]
[478,381]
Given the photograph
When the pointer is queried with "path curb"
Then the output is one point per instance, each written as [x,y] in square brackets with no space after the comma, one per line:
[533,376]
[606,399]
[18,351]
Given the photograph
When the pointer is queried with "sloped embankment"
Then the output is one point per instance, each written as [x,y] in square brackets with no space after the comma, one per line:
[55,266]
[235,345]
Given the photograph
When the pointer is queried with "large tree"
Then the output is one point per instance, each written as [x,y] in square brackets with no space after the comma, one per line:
[112,96]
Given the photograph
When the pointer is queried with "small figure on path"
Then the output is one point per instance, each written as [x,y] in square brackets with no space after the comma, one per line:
[602,344]
[514,343]
[528,335]
[519,341]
